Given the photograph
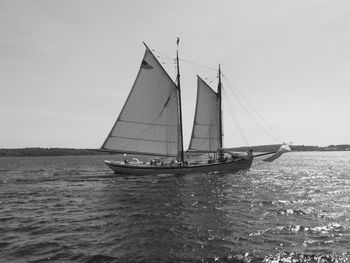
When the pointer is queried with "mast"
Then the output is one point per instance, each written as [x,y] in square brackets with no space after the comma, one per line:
[180,155]
[221,155]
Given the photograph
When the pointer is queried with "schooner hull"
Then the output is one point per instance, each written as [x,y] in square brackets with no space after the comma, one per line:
[230,166]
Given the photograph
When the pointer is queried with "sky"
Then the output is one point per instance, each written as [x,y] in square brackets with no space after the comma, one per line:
[66,67]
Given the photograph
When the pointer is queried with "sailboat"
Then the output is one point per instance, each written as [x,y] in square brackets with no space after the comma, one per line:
[150,123]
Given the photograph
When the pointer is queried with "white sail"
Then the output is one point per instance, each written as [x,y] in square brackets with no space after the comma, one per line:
[148,122]
[206,126]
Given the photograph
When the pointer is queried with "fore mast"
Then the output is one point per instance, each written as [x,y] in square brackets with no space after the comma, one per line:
[221,154]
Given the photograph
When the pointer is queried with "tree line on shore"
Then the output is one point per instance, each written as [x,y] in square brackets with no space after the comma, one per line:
[29,152]
[295,148]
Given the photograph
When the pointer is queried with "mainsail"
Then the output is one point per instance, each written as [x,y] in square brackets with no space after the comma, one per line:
[206,126]
[148,122]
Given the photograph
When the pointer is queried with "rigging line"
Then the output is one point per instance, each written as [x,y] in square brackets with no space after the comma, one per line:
[163,58]
[197,64]
[234,116]
[252,117]
[238,126]
[185,60]
[161,53]
[236,120]
[271,131]
[210,80]
[170,61]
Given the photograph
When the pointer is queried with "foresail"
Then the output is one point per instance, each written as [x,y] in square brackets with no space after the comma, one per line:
[206,126]
[148,122]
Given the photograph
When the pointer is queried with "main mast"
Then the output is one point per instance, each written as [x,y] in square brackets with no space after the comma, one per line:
[180,147]
[221,155]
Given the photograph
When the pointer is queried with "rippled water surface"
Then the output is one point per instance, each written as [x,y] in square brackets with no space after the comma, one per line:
[74,209]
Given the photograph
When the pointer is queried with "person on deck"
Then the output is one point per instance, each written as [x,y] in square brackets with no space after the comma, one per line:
[250,153]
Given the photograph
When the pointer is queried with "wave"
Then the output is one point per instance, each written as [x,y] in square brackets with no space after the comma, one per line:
[280,257]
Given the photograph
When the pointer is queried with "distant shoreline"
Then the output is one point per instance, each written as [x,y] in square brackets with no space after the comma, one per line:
[37,151]
[296,148]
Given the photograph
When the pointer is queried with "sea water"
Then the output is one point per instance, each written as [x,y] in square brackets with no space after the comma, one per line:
[74,209]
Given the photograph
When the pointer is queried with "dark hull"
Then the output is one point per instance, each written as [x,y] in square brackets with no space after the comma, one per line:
[230,166]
